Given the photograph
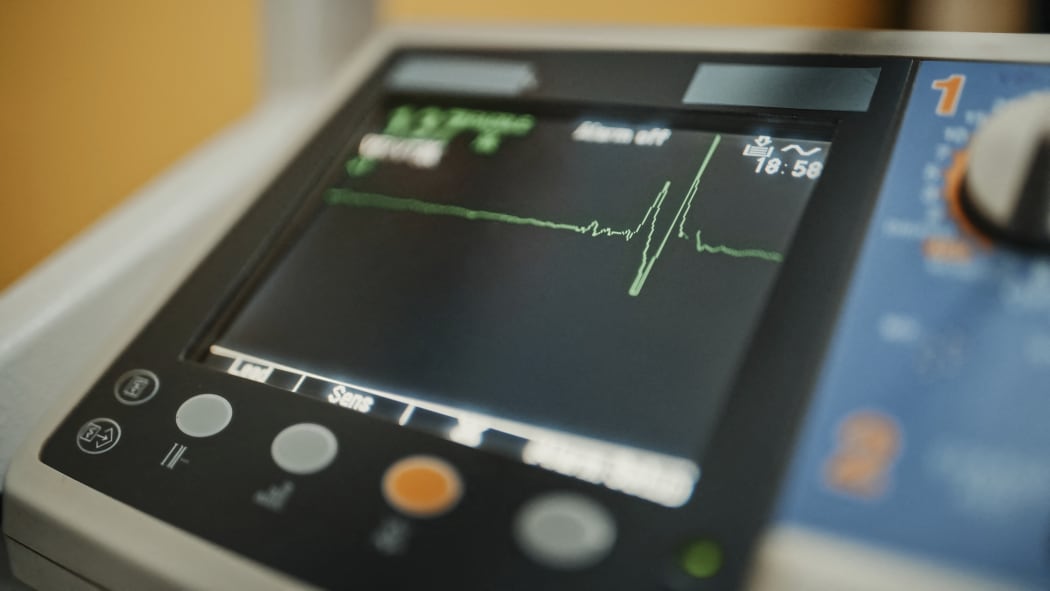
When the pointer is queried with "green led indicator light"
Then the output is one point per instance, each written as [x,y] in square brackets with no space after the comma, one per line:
[701,559]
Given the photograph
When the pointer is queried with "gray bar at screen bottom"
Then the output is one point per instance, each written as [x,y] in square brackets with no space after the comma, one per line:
[786,87]
[462,75]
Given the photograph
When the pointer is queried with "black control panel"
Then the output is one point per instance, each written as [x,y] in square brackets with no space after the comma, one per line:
[514,320]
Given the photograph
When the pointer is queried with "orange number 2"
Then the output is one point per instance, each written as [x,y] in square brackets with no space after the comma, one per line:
[951,89]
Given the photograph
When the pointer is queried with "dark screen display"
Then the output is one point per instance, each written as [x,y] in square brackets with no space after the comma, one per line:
[576,291]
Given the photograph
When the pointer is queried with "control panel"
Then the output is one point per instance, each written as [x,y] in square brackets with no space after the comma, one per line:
[928,431]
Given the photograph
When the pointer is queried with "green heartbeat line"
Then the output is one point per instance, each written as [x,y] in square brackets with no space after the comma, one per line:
[593,229]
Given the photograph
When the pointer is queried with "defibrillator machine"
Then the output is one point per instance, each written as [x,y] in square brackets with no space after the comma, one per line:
[580,310]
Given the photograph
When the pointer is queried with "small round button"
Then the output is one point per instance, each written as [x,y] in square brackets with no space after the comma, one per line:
[422,486]
[204,415]
[565,531]
[98,436]
[136,386]
[304,448]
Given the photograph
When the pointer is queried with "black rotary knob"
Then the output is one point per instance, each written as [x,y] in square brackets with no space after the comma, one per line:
[1006,191]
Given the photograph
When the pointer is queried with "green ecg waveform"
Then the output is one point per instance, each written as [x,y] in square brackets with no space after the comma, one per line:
[647,226]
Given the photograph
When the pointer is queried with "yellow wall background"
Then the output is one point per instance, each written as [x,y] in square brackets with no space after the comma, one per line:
[808,13]
[97,97]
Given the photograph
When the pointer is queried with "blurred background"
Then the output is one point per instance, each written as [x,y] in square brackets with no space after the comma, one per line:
[96,98]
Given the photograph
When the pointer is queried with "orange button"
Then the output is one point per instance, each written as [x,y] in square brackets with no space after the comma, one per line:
[422,486]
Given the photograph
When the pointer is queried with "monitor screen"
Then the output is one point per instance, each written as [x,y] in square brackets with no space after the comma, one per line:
[574,288]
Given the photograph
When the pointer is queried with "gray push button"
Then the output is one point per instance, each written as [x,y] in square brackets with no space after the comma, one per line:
[564,531]
[204,415]
[304,448]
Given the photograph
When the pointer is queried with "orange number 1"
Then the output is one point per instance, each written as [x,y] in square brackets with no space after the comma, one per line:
[951,89]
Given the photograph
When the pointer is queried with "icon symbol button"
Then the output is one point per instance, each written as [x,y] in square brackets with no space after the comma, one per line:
[204,415]
[136,387]
[98,436]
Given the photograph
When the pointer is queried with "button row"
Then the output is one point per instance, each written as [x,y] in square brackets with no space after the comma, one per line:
[563,531]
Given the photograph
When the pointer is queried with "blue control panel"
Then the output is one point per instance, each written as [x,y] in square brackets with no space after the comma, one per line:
[929,432]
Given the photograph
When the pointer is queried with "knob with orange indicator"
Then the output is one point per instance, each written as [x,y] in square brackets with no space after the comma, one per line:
[1006,188]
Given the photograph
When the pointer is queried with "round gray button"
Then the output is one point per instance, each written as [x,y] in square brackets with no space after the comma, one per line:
[204,415]
[564,531]
[304,448]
